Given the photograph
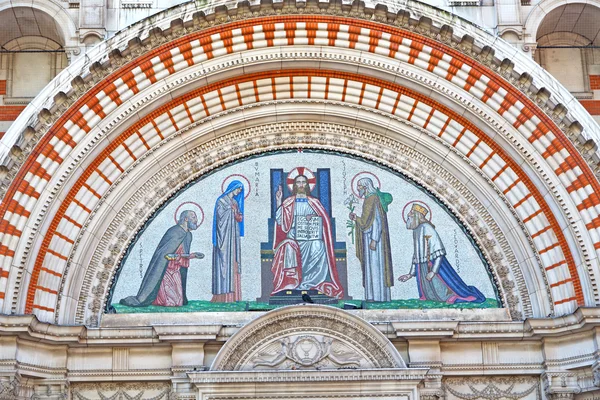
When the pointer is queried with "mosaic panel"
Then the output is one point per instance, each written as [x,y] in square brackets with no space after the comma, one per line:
[301,227]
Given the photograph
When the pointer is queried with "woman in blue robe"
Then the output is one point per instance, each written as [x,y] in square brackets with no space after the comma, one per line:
[228,228]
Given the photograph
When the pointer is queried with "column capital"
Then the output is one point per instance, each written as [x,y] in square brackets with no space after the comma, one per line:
[72,53]
[529,47]
[560,385]
[596,373]
[426,394]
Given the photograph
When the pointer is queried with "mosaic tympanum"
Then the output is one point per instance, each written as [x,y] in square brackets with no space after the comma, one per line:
[293,227]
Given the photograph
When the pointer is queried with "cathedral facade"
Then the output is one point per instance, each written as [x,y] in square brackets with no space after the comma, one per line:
[300,200]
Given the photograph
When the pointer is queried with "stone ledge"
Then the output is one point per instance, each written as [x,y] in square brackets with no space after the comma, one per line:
[151,329]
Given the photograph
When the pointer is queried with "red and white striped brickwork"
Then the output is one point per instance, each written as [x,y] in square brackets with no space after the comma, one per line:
[593,106]
[7,113]
[433,58]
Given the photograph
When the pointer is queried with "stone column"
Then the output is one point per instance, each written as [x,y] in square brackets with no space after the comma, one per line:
[427,354]
[185,357]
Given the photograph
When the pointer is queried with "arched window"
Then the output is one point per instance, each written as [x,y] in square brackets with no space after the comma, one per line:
[31,54]
[565,40]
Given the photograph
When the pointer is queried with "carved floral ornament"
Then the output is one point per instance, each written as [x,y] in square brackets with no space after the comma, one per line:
[192,164]
[302,351]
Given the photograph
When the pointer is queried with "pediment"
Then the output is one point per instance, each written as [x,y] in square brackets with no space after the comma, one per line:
[307,337]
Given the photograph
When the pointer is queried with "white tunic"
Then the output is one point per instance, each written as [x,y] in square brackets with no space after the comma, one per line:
[313,253]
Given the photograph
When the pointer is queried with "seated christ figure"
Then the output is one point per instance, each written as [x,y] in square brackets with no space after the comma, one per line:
[304,256]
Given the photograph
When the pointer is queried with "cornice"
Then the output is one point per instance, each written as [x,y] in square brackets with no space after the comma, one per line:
[39,370]
[173,333]
[526,368]
[110,374]
[582,317]
[557,363]
[28,327]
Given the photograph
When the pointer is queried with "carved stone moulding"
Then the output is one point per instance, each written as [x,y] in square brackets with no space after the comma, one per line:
[150,200]
[396,384]
[200,160]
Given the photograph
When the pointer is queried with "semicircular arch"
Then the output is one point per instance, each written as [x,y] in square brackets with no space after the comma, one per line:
[166,53]
[64,24]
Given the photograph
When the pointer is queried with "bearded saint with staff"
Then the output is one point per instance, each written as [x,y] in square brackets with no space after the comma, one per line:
[373,241]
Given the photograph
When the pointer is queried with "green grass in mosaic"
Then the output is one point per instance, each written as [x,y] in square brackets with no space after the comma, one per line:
[428,304]
[207,306]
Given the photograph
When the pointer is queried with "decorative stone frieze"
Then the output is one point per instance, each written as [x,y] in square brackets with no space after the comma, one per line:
[124,391]
[9,388]
[304,351]
[492,388]
[357,384]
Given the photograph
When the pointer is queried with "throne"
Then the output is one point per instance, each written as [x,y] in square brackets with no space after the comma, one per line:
[322,191]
